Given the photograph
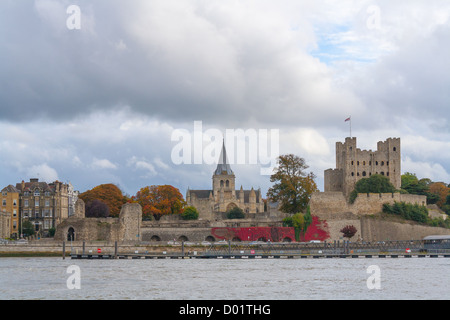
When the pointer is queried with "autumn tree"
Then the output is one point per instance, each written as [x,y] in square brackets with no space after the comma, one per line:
[109,194]
[348,231]
[293,186]
[157,201]
[439,191]
[97,209]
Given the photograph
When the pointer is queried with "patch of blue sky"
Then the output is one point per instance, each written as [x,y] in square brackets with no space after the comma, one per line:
[341,43]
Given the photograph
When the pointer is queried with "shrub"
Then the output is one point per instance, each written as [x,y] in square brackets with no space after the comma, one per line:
[235,213]
[407,211]
[190,213]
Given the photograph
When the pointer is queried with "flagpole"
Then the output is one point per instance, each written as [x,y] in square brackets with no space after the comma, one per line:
[350,127]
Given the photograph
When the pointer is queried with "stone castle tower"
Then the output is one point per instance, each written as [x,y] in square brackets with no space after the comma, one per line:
[224,195]
[353,164]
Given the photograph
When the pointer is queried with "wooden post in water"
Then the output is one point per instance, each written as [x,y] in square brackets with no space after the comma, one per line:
[84,247]
[182,248]
[115,250]
[64,250]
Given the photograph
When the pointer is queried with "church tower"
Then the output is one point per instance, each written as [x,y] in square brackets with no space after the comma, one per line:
[223,178]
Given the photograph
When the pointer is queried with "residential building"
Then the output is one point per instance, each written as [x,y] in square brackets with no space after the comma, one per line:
[10,208]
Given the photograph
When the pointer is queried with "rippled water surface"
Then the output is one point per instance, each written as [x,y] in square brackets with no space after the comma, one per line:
[198,279]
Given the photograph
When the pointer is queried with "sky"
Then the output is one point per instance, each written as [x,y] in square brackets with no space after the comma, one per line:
[110,91]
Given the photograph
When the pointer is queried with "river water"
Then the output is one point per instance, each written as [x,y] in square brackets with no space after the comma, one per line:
[216,279]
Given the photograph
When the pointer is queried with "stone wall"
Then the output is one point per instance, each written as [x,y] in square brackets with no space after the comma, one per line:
[326,203]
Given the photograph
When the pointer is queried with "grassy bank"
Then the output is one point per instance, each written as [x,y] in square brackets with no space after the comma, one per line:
[26,254]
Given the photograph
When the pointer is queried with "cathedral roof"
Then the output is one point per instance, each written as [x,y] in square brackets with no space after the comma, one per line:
[223,166]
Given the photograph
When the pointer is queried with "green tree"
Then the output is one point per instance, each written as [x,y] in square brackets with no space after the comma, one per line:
[293,186]
[235,213]
[27,228]
[190,213]
[376,183]
[299,222]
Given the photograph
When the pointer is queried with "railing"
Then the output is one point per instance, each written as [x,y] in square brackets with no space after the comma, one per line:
[336,247]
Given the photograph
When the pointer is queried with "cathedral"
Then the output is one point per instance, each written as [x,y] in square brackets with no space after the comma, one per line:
[211,204]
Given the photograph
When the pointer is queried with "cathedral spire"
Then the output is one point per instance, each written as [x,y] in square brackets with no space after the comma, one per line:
[222,166]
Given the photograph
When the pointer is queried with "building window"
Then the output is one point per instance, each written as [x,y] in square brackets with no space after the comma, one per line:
[25,203]
[228,183]
[364,173]
[364,163]
[47,203]
[14,213]
[353,174]
[395,149]
[382,163]
[36,203]
[15,202]
[37,193]
[221,183]
[4,202]
[4,193]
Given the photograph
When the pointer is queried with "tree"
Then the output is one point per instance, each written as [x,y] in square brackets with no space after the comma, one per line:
[348,231]
[96,209]
[110,194]
[190,213]
[376,183]
[293,186]
[27,228]
[413,185]
[439,192]
[157,201]
[235,213]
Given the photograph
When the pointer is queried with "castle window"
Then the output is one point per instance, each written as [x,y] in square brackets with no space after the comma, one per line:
[387,163]
[364,173]
[357,174]
[395,149]
[382,173]
[382,163]
[353,174]
[376,163]
[387,173]
[221,183]
[364,163]
[352,162]
[228,183]
[357,162]
[370,163]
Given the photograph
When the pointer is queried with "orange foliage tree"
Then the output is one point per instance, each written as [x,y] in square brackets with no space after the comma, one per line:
[157,201]
[110,194]
[441,191]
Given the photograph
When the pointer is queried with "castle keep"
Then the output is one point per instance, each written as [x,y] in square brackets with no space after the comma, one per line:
[353,164]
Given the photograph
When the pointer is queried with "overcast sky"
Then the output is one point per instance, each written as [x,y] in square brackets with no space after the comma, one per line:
[100,103]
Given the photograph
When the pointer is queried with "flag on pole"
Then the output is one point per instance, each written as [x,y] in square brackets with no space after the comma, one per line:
[348,119]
